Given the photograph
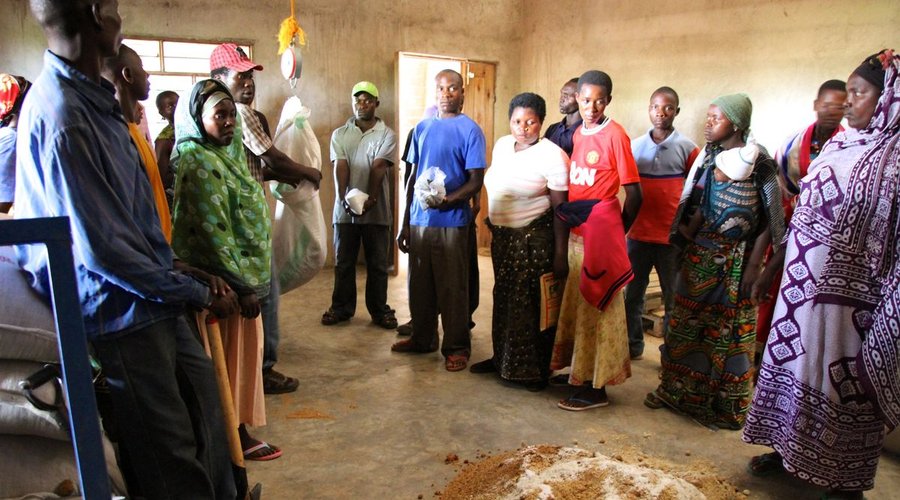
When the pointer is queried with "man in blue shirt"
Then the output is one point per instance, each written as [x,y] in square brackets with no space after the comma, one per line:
[436,234]
[76,159]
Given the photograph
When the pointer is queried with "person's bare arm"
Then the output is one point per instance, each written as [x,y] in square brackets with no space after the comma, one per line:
[467,190]
[403,237]
[376,177]
[634,197]
[163,149]
[560,237]
[282,168]
[342,174]
[750,280]
[772,271]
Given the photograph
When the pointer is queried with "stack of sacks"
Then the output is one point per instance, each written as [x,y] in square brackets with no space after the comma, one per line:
[37,454]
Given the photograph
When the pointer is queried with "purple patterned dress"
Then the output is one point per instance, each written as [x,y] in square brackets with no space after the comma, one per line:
[830,378]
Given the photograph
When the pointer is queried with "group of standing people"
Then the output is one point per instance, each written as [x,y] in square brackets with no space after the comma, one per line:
[714,224]
[828,385]
[153,248]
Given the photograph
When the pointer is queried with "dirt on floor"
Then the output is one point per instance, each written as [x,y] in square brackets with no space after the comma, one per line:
[555,472]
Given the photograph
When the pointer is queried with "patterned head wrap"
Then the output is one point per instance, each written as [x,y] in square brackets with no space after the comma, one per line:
[872,69]
[12,93]
[738,109]
[872,210]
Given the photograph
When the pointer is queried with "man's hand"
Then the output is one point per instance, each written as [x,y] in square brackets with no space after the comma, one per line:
[476,207]
[224,305]
[312,175]
[249,305]
[368,205]
[403,239]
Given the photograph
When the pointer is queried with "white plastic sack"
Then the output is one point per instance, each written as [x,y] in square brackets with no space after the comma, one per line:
[36,466]
[429,187]
[17,415]
[27,328]
[298,234]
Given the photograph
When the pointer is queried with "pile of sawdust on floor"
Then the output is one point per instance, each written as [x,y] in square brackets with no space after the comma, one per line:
[554,472]
[309,413]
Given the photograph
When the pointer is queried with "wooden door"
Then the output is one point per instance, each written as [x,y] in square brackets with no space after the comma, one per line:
[479,106]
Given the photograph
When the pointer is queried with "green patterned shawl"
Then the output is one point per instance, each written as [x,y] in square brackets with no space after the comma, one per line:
[221,218]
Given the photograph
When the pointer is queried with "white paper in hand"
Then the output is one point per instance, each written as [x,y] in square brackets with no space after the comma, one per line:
[356,199]
[429,187]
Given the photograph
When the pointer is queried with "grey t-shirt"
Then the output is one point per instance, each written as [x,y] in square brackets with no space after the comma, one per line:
[361,149]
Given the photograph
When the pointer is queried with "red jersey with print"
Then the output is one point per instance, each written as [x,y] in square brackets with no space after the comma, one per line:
[601,162]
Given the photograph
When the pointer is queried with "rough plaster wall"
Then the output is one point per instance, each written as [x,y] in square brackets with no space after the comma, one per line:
[348,41]
[778,52]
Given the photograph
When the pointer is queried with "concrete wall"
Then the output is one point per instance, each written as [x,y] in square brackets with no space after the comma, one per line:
[348,41]
[776,51]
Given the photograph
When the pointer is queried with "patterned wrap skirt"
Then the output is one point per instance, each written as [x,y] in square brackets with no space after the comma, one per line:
[593,342]
[708,351]
[520,256]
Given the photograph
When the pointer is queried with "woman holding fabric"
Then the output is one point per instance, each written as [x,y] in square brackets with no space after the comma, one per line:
[527,180]
[730,211]
[829,385]
[221,225]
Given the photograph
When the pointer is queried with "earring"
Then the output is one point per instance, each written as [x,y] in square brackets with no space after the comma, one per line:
[735,128]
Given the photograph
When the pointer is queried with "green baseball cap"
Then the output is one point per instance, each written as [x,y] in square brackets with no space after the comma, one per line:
[367,87]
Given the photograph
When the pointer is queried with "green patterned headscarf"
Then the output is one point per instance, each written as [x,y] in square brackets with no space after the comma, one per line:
[738,109]
[221,218]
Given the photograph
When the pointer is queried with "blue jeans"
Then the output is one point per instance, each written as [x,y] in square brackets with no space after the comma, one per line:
[167,409]
[376,241]
[269,311]
[644,257]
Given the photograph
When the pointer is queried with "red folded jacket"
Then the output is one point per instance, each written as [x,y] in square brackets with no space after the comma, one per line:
[606,268]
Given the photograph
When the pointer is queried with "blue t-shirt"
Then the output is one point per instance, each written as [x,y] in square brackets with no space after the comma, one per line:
[7,164]
[455,145]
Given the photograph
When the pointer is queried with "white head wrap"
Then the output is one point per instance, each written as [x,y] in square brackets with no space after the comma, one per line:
[211,101]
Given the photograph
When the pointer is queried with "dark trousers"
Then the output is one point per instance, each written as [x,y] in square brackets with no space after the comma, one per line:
[375,240]
[474,277]
[644,257]
[439,284]
[168,413]
[269,311]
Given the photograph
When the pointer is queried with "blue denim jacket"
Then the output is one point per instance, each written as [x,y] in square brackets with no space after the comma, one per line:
[76,159]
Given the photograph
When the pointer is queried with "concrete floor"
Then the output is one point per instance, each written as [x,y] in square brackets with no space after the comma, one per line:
[368,423]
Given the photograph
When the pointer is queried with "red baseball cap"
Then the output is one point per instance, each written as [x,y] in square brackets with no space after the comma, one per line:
[229,55]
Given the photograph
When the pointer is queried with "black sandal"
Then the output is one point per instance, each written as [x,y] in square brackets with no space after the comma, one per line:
[331,318]
[387,320]
[767,464]
[653,402]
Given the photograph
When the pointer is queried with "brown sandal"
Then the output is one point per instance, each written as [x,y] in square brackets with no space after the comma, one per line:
[456,362]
